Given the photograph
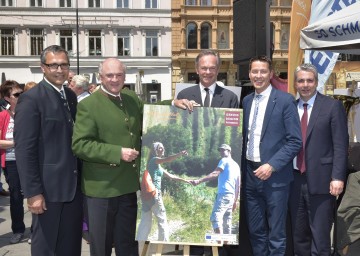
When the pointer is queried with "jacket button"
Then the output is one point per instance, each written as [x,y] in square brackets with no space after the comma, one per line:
[75,171]
[134,165]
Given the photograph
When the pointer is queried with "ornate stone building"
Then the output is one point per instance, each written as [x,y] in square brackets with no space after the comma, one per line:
[197,25]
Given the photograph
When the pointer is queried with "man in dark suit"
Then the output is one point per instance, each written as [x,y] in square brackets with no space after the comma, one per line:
[207,94]
[320,177]
[47,167]
[271,139]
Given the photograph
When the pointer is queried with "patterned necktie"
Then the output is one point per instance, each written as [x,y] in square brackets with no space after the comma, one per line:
[301,156]
[252,128]
[62,94]
[207,98]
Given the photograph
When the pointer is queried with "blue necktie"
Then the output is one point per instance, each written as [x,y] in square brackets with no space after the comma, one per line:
[252,128]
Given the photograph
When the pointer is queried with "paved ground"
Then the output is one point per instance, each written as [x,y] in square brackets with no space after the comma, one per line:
[23,248]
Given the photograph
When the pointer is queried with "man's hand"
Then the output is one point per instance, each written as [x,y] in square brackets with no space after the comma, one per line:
[264,172]
[194,182]
[186,104]
[36,204]
[129,154]
[336,187]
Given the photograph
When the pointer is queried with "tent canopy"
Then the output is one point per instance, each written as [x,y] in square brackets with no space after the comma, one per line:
[339,32]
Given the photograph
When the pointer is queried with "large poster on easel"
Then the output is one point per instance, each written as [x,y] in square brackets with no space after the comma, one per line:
[190,175]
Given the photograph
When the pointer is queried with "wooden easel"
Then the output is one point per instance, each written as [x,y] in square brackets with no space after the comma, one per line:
[186,248]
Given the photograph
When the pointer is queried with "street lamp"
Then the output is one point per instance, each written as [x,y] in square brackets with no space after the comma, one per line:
[77,38]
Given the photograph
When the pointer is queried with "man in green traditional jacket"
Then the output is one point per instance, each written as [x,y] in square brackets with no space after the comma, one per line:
[107,138]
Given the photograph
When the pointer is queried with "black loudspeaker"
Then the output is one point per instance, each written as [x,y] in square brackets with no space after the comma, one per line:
[251,29]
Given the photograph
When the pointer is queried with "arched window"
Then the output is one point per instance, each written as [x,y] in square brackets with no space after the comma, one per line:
[191,36]
[205,34]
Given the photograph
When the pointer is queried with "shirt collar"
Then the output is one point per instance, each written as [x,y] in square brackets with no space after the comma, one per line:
[106,91]
[211,87]
[266,92]
[310,102]
[57,89]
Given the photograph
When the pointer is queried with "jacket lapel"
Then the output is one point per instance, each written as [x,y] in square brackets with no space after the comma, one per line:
[217,97]
[314,113]
[269,109]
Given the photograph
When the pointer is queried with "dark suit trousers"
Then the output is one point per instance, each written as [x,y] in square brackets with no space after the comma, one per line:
[311,218]
[113,220]
[16,197]
[266,212]
[58,231]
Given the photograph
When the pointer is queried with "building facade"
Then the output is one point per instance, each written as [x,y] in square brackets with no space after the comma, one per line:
[198,25]
[280,13]
[138,32]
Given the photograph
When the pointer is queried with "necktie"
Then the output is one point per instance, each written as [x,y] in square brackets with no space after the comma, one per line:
[252,128]
[62,94]
[207,98]
[301,156]
[68,112]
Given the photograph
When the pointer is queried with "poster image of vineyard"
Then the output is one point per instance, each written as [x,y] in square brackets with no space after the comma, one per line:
[190,175]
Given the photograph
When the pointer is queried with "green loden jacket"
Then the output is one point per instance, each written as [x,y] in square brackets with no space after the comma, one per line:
[103,126]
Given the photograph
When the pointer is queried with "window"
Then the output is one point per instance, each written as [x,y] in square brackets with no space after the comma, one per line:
[223,35]
[94,42]
[36,41]
[65,3]
[151,43]
[285,2]
[35,3]
[7,38]
[66,40]
[193,78]
[284,36]
[224,2]
[124,42]
[205,3]
[151,4]
[205,33]
[6,3]
[94,3]
[191,36]
[122,3]
[190,2]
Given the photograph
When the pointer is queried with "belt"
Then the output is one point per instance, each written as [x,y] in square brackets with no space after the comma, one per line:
[298,172]
[254,164]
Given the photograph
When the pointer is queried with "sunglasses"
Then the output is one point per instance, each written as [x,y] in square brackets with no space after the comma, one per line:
[17,94]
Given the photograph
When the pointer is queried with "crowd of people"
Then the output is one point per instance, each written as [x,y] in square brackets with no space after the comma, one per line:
[76,152]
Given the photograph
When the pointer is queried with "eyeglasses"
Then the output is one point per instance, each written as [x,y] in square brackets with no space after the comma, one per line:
[54,66]
[17,94]
[111,76]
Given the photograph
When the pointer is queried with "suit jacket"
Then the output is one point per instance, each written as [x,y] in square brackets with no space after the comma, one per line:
[42,134]
[280,136]
[326,146]
[103,126]
[222,98]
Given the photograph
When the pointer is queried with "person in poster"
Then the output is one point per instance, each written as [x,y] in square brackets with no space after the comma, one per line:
[228,174]
[155,205]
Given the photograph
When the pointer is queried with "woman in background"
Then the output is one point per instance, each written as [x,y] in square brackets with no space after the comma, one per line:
[10,90]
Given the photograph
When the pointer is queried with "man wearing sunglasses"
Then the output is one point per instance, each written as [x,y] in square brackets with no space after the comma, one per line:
[47,167]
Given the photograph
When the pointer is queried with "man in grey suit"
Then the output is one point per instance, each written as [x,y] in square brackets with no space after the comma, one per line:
[206,94]
[47,167]
[321,168]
